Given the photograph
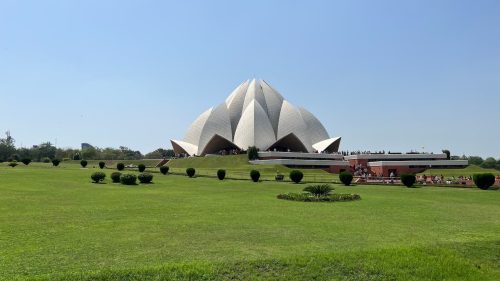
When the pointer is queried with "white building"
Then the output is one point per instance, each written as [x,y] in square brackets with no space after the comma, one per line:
[255,114]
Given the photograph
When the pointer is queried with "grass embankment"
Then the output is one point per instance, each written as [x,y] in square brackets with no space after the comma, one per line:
[56,224]
[468,171]
[237,167]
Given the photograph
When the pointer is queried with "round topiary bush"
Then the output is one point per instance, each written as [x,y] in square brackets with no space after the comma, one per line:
[128,179]
[145,177]
[221,174]
[408,179]
[83,163]
[346,178]
[484,181]
[13,164]
[141,167]
[164,170]
[26,161]
[115,177]
[56,162]
[120,166]
[97,177]
[255,175]
[102,165]
[190,172]
[296,176]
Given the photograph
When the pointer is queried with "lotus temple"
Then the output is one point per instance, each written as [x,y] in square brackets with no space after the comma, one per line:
[257,115]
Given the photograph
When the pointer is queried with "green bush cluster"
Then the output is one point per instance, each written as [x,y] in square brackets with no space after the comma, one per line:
[145,177]
[115,177]
[346,178]
[55,162]
[120,166]
[306,197]
[46,160]
[255,175]
[26,161]
[190,172]
[164,169]
[83,163]
[296,176]
[98,177]
[408,179]
[102,165]
[221,174]
[141,168]
[128,179]
[13,163]
[484,181]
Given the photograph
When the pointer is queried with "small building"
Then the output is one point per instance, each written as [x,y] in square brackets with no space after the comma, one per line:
[381,164]
[399,163]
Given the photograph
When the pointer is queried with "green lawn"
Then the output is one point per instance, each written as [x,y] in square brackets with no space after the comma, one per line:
[56,225]
[468,171]
[237,167]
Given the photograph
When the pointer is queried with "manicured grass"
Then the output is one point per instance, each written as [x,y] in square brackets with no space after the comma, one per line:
[56,225]
[468,171]
[237,167]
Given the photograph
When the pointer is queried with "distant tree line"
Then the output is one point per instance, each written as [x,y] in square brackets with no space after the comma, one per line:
[47,150]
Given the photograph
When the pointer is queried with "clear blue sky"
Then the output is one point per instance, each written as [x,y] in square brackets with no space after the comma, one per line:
[393,75]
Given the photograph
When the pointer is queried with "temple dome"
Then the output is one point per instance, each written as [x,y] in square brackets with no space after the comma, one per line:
[255,114]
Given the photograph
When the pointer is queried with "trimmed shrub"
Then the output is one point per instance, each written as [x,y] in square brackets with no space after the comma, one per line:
[408,179]
[84,163]
[255,175]
[484,181]
[98,177]
[76,157]
[306,197]
[319,189]
[128,179]
[346,178]
[221,174]
[296,176]
[26,161]
[13,164]
[145,177]
[102,165]
[56,162]
[46,160]
[253,153]
[115,177]
[120,166]
[164,169]
[141,167]
[190,172]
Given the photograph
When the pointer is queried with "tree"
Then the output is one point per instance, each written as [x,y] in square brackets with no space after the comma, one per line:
[346,178]
[475,160]
[160,153]
[408,179]
[253,153]
[296,176]
[448,154]
[489,163]
[7,147]
[484,181]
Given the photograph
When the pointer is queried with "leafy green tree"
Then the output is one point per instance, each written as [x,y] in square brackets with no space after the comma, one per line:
[448,154]
[7,147]
[253,153]
[475,160]
[489,163]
